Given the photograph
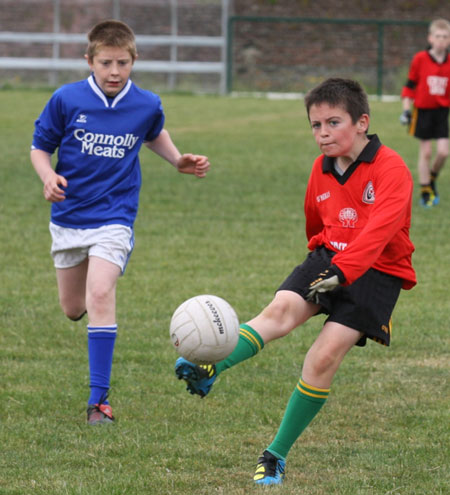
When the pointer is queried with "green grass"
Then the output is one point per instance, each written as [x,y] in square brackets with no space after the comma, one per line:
[237,234]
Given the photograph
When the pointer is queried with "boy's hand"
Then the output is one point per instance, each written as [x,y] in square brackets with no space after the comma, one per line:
[197,165]
[325,281]
[405,117]
[52,188]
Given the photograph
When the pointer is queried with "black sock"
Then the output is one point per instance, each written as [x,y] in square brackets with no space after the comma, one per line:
[433,177]
[425,191]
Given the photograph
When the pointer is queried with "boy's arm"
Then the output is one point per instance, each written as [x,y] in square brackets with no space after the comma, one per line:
[409,90]
[407,103]
[186,164]
[405,117]
[42,163]
[313,221]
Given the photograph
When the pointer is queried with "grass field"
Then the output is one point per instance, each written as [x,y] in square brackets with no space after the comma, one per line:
[237,234]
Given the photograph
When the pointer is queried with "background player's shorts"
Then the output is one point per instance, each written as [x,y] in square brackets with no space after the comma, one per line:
[429,123]
[366,305]
[70,247]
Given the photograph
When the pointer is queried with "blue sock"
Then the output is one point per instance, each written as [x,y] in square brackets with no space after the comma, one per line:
[101,349]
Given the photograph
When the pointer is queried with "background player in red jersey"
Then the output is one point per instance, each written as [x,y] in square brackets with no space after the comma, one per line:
[358,212]
[428,89]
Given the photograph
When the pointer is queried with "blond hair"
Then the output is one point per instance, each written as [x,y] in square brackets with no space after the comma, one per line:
[441,24]
[111,33]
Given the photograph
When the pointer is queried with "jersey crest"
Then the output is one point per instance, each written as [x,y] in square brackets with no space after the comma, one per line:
[369,194]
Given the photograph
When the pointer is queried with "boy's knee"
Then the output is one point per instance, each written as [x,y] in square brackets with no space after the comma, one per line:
[100,301]
[98,296]
[276,310]
[73,316]
[426,154]
[73,309]
[279,313]
[323,363]
[442,154]
[74,313]
[320,362]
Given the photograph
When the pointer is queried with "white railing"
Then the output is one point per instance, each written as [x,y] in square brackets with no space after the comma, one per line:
[171,66]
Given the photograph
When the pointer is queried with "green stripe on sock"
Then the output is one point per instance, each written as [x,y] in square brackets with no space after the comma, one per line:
[247,332]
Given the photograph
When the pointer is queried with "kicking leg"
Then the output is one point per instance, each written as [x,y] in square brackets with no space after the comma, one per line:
[287,311]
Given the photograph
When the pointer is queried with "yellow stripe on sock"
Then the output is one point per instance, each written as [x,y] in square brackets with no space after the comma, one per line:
[309,390]
[310,387]
[246,334]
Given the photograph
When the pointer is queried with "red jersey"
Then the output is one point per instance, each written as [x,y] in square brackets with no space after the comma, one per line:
[428,81]
[363,215]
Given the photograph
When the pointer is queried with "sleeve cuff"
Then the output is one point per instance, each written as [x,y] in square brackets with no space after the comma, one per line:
[339,273]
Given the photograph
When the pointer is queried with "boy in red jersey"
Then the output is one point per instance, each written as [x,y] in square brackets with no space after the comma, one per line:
[428,89]
[358,212]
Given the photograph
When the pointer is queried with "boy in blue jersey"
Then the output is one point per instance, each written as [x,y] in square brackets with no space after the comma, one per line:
[98,126]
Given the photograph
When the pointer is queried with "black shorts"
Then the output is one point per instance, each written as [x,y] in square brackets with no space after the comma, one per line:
[366,305]
[429,123]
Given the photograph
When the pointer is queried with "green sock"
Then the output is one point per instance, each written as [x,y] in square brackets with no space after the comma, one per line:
[303,405]
[249,344]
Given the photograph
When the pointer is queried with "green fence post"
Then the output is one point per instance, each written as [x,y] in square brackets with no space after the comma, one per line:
[380,68]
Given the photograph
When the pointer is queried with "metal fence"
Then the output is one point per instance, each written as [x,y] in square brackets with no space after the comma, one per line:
[216,53]
[293,54]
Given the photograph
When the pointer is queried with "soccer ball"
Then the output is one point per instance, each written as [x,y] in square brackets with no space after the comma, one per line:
[204,329]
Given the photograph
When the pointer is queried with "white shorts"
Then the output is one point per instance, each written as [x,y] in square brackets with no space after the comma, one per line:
[70,247]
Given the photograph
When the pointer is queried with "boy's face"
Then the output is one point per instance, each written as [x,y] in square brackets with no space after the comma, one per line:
[439,40]
[334,132]
[111,67]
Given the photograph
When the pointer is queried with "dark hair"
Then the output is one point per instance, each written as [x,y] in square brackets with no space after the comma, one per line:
[111,33]
[345,93]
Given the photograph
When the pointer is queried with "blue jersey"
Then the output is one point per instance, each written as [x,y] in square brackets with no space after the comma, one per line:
[98,140]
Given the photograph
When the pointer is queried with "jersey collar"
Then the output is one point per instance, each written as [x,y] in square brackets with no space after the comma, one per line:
[444,61]
[367,155]
[107,101]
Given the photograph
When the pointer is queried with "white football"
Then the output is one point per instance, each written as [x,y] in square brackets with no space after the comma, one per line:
[204,329]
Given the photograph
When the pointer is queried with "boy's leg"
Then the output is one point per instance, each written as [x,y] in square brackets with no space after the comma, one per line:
[102,328]
[320,365]
[327,353]
[424,162]
[72,289]
[423,165]
[442,152]
[287,311]
[101,291]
